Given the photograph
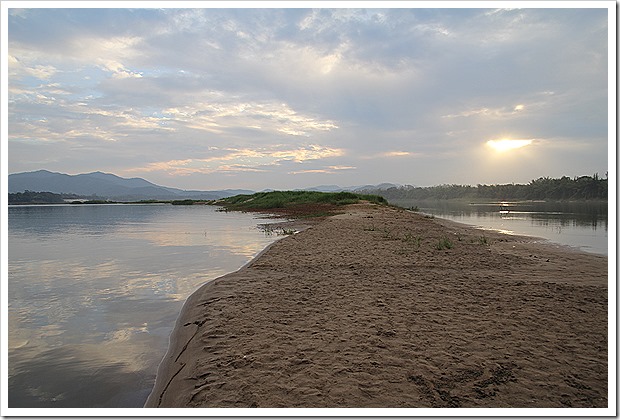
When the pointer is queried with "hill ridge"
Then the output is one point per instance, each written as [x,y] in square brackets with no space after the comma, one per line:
[106,186]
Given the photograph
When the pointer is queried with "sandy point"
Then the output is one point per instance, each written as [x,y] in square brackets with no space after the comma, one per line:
[382,307]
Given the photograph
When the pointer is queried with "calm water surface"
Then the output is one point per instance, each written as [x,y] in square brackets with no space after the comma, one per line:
[94,292]
[579,225]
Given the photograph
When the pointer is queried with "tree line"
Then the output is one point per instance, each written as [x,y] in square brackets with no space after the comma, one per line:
[46,197]
[544,188]
[34,197]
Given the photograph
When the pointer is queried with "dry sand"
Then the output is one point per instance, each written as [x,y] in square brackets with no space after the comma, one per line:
[363,310]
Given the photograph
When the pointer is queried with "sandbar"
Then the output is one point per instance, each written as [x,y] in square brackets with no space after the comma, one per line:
[383,307]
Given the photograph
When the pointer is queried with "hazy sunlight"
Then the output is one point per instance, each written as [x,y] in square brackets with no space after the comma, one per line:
[504,145]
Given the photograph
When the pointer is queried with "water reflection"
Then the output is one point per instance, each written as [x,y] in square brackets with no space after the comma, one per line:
[578,224]
[94,292]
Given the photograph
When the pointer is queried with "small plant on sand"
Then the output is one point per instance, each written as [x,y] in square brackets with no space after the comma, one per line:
[411,238]
[483,240]
[444,243]
[387,234]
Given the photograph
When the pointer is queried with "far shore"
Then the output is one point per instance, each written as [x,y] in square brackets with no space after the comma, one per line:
[383,307]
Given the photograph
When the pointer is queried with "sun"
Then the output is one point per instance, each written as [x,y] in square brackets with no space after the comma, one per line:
[504,145]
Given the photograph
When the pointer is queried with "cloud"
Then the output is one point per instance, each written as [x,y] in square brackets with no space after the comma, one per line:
[220,113]
[110,54]
[325,170]
[243,160]
[393,84]
[17,67]
[397,154]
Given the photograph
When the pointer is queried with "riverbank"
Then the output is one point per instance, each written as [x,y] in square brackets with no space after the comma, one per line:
[381,307]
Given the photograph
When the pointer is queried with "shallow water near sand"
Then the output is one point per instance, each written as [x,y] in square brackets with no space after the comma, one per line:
[94,292]
[581,225]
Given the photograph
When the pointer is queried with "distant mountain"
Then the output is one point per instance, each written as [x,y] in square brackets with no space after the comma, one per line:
[107,186]
[383,186]
[325,188]
[357,188]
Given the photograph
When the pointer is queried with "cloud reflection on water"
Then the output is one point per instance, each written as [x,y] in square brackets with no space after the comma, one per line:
[97,311]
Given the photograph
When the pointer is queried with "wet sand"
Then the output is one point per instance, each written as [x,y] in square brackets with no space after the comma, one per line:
[365,310]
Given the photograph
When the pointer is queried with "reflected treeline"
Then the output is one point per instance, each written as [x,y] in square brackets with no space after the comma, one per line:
[542,213]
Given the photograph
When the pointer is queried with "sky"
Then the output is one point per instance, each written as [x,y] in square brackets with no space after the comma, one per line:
[213,98]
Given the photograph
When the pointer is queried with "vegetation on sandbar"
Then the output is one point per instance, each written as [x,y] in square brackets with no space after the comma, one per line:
[296,203]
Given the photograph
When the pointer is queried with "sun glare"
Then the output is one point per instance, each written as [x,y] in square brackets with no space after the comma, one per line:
[505,145]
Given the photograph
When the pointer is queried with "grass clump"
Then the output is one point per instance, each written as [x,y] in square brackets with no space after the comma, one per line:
[444,243]
[415,240]
[387,234]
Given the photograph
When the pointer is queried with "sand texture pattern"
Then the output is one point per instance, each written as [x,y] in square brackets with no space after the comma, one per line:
[373,308]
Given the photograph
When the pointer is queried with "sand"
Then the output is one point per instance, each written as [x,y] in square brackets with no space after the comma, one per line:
[364,310]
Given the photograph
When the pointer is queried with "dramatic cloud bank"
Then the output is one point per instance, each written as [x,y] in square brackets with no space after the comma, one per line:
[285,98]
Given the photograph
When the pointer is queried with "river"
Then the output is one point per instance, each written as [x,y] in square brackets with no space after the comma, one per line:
[94,292]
